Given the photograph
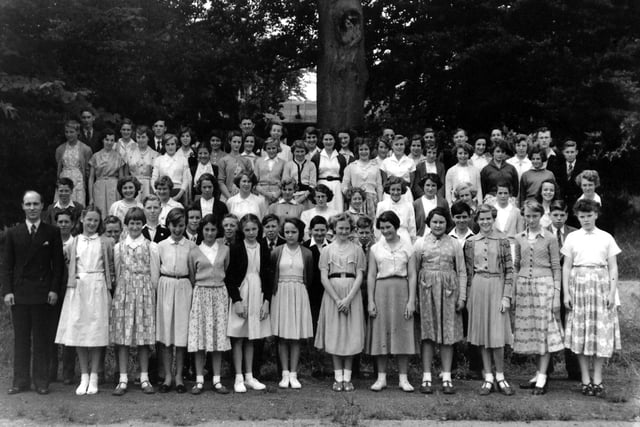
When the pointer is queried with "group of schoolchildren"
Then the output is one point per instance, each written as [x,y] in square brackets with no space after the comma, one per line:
[279,240]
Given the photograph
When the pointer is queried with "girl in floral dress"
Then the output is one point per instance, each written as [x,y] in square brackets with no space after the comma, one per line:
[72,158]
[133,311]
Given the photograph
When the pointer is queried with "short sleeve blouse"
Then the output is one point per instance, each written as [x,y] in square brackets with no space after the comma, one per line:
[392,260]
[341,258]
[592,248]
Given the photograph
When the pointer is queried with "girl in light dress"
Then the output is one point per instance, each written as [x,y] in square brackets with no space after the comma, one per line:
[340,329]
[128,189]
[396,187]
[399,165]
[246,202]
[268,171]
[125,142]
[72,159]
[139,161]
[538,329]
[133,318]
[590,281]
[346,145]
[105,168]
[249,148]
[209,307]
[391,286]
[290,310]
[322,196]
[442,283]
[232,165]
[330,165]
[173,299]
[364,173]
[176,167]
[490,283]
[84,321]
[462,172]
[248,280]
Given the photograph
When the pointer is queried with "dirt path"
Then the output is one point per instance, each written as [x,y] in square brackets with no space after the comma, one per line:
[316,404]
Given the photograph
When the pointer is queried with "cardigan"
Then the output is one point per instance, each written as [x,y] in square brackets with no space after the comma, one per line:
[107,258]
[421,215]
[204,274]
[420,173]
[343,163]
[504,260]
[237,270]
[85,155]
[538,259]
[307,261]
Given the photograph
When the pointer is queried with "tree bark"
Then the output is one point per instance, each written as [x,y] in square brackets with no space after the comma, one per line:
[342,69]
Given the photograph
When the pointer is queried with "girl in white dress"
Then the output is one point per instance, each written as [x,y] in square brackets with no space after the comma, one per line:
[248,280]
[84,321]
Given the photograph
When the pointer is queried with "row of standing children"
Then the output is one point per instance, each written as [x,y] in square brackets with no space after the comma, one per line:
[192,311]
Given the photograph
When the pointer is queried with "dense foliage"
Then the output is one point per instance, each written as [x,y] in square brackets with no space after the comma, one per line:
[571,65]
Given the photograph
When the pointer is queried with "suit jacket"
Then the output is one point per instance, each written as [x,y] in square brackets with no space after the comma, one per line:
[161,233]
[32,268]
[568,188]
[106,244]
[279,241]
[567,229]
[307,261]
[237,270]
[421,172]
[421,215]
[95,142]
[316,290]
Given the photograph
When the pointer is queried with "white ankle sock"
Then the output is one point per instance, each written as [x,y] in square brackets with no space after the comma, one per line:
[248,376]
[499,376]
[200,379]
[239,378]
[402,378]
[124,378]
[144,376]
[382,376]
[338,375]
[285,374]
[446,376]
[488,378]
[426,376]
[541,380]
[347,375]
[216,379]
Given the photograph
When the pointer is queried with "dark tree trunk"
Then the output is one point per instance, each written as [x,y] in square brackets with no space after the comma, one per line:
[342,70]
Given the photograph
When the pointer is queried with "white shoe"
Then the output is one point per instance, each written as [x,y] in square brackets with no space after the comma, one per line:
[82,388]
[284,382]
[379,385]
[294,383]
[93,387]
[405,386]
[239,387]
[254,384]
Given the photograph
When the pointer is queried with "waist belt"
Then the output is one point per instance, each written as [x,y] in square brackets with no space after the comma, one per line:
[173,276]
[341,275]
[391,277]
[331,178]
[591,266]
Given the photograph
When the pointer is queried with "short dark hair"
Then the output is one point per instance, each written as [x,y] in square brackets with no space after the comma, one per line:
[462,145]
[318,219]
[174,216]
[443,212]
[67,212]
[558,205]
[125,179]
[460,207]
[297,223]
[586,205]
[208,177]
[250,175]
[63,180]
[390,217]
[537,150]
[270,217]
[164,180]
[430,177]
[395,180]
[364,222]
[324,190]
[133,214]
[247,219]
[210,219]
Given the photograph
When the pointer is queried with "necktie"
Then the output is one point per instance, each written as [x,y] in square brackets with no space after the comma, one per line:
[271,245]
[33,231]
[559,237]
[569,171]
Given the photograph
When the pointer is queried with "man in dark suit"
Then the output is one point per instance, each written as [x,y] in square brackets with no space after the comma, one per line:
[88,134]
[566,170]
[159,129]
[559,228]
[31,279]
